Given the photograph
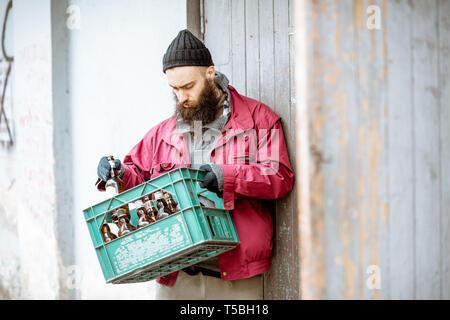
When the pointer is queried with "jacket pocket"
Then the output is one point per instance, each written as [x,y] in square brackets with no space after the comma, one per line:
[161,168]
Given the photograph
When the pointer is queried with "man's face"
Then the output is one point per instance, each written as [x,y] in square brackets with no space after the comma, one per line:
[188,83]
[194,91]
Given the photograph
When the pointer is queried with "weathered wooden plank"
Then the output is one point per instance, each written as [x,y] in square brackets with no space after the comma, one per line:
[329,147]
[252,48]
[400,274]
[267,54]
[330,270]
[376,282]
[371,151]
[349,102]
[193,19]
[444,94]
[426,157]
[365,57]
[309,97]
[371,48]
[290,135]
[282,279]
[261,69]
[306,263]
[218,35]
[238,37]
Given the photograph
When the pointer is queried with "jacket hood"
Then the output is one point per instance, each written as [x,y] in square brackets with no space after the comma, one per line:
[221,80]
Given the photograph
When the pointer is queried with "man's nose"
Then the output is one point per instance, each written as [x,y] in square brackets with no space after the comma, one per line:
[182,97]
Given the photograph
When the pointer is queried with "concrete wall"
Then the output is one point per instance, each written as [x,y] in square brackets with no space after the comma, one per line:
[30,264]
[87,82]
[9,255]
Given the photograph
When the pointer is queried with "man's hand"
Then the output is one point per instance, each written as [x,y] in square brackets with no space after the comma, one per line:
[104,168]
[210,182]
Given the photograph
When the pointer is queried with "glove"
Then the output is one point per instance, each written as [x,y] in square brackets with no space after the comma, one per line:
[210,182]
[104,168]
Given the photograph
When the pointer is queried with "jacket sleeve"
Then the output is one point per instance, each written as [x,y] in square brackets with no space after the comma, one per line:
[137,163]
[270,177]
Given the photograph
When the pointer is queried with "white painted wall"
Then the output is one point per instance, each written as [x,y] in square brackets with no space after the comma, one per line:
[118,92]
[107,75]
[9,254]
[29,255]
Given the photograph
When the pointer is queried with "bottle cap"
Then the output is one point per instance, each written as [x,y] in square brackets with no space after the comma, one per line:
[138,204]
[120,212]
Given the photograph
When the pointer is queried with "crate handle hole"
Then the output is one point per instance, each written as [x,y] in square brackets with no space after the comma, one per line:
[205,202]
[211,226]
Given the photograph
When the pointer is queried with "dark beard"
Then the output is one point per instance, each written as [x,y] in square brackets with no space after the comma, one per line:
[206,109]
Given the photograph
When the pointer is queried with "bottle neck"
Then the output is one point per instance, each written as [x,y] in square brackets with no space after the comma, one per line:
[140,212]
[122,221]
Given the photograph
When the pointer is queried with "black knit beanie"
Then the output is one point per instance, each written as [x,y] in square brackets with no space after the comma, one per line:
[186,50]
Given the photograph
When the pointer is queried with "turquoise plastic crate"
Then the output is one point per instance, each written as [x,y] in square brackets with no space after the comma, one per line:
[194,234]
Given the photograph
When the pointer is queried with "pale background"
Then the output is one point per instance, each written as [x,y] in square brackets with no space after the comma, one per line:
[87,81]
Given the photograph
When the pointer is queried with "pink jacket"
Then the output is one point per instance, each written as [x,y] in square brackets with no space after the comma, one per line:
[253,156]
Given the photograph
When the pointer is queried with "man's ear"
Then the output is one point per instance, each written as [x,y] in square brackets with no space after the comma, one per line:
[210,73]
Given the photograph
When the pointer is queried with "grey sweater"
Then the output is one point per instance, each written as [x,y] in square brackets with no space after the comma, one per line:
[201,140]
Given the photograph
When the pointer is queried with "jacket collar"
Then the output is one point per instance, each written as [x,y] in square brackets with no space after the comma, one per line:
[168,135]
[241,118]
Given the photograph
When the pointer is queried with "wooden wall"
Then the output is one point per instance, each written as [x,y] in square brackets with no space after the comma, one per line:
[368,134]
[376,221]
[251,42]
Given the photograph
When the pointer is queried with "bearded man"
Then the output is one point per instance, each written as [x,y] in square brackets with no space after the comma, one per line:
[240,143]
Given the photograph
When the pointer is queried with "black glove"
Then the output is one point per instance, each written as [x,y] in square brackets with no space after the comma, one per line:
[210,182]
[104,168]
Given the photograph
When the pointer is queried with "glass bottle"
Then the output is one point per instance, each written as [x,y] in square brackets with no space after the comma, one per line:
[114,185]
[115,218]
[106,233]
[124,224]
[171,204]
[163,210]
[150,209]
[143,220]
[115,214]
